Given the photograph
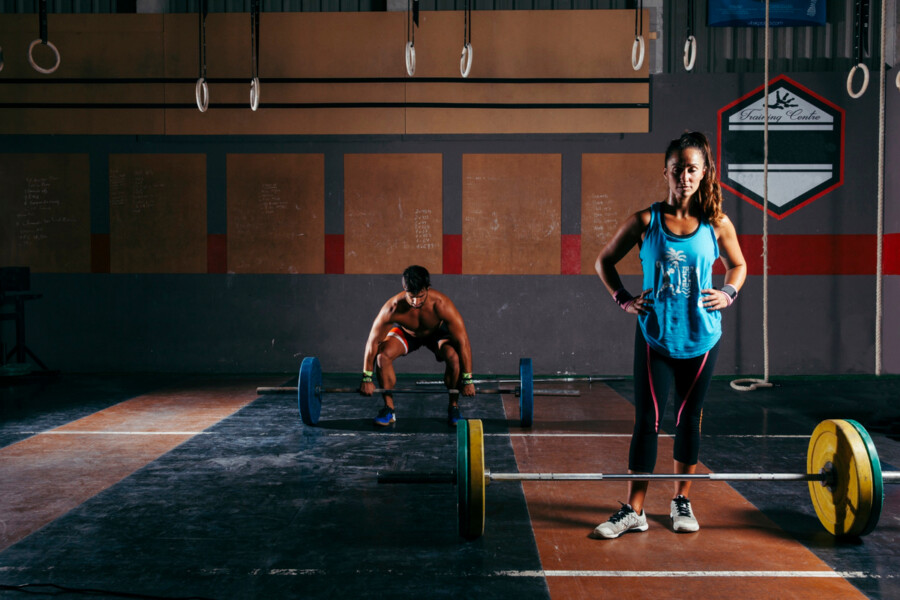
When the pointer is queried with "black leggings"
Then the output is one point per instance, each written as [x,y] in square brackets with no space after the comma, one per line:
[653,375]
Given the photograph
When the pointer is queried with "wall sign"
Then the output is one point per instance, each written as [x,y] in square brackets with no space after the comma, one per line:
[752,13]
[806,147]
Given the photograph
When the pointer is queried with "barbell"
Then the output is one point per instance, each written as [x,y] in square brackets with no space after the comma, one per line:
[309,391]
[843,471]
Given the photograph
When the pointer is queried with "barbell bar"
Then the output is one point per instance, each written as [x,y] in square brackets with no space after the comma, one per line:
[846,483]
[309,391]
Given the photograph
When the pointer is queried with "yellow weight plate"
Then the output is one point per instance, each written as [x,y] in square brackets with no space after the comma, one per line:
[476,480]
[844,506]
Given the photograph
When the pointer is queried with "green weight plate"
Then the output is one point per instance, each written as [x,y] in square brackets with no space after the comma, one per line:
[877,478]
[462,475]
[309,386]
[526,392]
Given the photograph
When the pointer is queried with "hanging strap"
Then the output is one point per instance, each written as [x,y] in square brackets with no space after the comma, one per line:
[201,89]
[42,39]
[690,43]
[638,48]
[860,47]
[465,59]
[254,54]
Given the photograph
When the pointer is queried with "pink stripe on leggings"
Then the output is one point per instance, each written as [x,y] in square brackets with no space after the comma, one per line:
[688,395]
[652,391]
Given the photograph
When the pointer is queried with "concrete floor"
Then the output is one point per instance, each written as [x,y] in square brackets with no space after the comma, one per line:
[175,487]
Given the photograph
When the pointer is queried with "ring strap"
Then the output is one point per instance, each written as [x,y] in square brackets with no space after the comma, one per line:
[254,36]
[202,12]
[42,20]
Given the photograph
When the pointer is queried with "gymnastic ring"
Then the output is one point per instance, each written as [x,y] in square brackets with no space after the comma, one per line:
[410,59]
[201,93]
[637,60]
[254,93]
[865,83]
[465,61]
[38,68]
[690,52]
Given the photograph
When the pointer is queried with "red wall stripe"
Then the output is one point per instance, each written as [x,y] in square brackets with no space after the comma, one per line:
[216,253]
[100,260]
[820,254]
[334,254]
[570,255]
[452,257]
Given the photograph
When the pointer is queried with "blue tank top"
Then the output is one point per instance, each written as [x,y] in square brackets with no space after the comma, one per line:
[676,268]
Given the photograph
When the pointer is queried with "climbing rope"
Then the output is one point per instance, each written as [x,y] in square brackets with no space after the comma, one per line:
[745,385]
[880,226]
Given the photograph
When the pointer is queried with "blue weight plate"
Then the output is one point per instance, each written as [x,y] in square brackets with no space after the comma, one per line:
[309,385]
[526,392]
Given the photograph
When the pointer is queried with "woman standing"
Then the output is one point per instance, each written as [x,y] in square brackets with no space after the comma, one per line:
[679,323]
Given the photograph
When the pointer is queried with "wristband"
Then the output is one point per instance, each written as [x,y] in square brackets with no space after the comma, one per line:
[623,299]
[467,379]
[730,291]
[367,377]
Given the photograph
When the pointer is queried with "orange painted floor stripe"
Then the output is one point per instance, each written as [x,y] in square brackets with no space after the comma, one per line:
[734,537]
[45,476]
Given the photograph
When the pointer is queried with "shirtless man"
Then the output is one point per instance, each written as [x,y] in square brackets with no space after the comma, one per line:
[418,316]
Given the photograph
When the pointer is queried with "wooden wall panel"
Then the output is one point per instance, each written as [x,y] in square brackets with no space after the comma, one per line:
[512,214]
[276,213]
[614,186]
[45,220]
[393,207]
[157,206]
[529,44]
[329,74]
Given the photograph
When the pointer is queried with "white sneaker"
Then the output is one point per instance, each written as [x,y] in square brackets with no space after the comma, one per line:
[683,519]
[624,520]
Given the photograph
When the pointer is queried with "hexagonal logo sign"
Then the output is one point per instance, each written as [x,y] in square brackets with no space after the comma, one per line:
[806,147]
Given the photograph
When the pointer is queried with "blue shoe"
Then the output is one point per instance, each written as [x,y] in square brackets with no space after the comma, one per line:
[385,416]
[452,416]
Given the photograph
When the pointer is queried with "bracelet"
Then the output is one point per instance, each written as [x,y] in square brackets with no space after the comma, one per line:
[730,291]
[623,298]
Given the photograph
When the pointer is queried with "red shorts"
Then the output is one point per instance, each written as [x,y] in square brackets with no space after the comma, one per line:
[411,343]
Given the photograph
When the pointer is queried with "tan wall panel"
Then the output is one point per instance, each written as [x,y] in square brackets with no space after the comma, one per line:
[90,45]
[530,93]
[393,207]
[276,213]
[281,93]
[477,120]
[614,186]
[157,206]
[329,44]
[85,121]
[311,121]
[529,44]
[45,216]
[511,214]
[92,93]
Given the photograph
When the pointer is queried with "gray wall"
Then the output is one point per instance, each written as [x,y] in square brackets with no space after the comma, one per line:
[259,323]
